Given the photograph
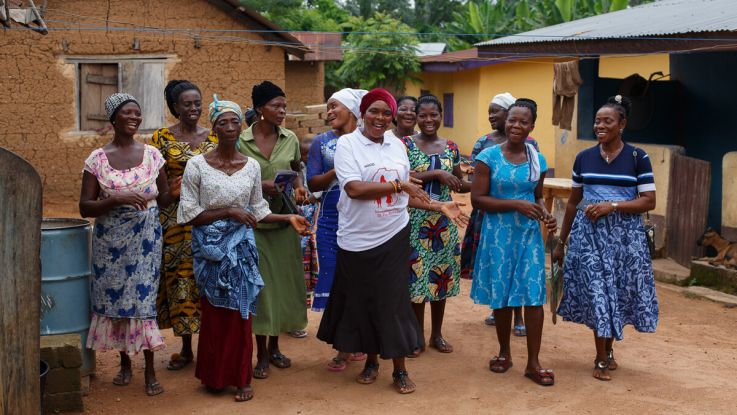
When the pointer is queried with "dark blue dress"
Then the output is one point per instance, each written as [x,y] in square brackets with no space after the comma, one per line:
[608,276]
[320,161]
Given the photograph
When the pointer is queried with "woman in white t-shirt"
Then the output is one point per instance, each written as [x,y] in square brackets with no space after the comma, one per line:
[368,309]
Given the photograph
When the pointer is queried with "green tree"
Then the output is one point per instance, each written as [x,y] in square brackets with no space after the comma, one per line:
[489,19]
[379,53]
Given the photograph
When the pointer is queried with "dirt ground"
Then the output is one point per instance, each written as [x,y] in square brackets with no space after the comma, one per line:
[687,367]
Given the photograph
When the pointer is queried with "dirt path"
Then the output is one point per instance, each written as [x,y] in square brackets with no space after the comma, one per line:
[688,366]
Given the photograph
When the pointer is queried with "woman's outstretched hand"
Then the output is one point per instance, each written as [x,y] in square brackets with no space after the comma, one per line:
[415,191]
[453,211]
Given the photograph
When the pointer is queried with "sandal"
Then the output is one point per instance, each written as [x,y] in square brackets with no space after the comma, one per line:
[337,365]
[543,377]
[416,353]
[601,370]
[402,382]
[178,361]
[244,394]
[369,374]
[612,363]
[261,372]
[500,364]
[154,388]
[490,320]
[441,345]
[123,378]
[298,334]
[279,360]
[520,330]
[357,357]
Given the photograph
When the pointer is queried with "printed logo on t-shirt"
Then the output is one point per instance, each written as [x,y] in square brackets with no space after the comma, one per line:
[384,204]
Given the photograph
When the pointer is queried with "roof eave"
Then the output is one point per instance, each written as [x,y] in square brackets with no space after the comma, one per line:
[252,18]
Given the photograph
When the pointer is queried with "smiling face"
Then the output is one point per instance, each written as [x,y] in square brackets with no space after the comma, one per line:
[429,118]
[497,117]
[377,119]
[608,124]
[406,116]
[519,124]
[189,106]
[275,110]
[227,127]
[127,119]
[338,115]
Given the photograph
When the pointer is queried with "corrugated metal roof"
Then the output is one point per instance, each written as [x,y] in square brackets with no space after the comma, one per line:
[430,49]
[660,18]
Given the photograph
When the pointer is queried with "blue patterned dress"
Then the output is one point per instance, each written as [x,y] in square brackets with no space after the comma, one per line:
[320,161]
[608,276]
[470,242]
[509,268]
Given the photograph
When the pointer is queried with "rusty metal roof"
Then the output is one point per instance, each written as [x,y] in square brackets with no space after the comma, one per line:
[656,19]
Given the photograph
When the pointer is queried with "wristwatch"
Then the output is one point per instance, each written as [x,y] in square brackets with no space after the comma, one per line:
[615,205]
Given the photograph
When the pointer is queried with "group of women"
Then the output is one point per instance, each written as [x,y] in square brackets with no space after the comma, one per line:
[200,232]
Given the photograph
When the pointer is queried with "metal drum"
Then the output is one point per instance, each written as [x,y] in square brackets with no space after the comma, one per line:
[65,281]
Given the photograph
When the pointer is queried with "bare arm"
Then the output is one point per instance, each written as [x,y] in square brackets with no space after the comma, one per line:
[321,182]
[165,197]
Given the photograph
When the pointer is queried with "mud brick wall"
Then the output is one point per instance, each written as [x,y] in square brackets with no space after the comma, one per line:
[309,122]
[63,382]
[305,83]
[39,100]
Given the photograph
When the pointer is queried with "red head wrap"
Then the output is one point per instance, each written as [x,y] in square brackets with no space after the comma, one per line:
[378,94]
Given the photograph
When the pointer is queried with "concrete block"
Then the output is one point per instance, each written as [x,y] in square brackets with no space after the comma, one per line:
[63,402]
[319,130]
[63,380]
[67,349]
[312,123]
[305,117]
[315,109]
[667,270]
[300,131]
[48,354]
[722,279]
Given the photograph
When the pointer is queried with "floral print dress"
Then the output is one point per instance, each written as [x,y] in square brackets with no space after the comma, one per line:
[435,257]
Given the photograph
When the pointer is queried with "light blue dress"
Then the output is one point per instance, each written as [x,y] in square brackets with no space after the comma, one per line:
[510,260]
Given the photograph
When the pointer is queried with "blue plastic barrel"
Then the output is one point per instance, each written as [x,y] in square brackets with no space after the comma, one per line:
[65,280]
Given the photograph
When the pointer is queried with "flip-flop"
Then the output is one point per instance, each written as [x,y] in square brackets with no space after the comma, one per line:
[369,374]
[261,372]
[500,364]
[178,362]
[543,377]
[402,383]
[441,345]
[298,334]
[123,378]
[357,357]
[337,365]
[490,320]
[244,394]
[520,330]
[154,388]
[279,360]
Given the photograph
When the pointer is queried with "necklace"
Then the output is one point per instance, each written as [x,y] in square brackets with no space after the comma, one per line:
[610,157]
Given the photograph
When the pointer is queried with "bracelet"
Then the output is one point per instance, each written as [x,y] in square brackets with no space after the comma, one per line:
[394,186]
[399,185]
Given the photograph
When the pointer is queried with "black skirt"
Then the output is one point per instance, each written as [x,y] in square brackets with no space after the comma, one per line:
[369,308]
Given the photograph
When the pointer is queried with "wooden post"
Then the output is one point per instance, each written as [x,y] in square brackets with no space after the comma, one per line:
[20,285]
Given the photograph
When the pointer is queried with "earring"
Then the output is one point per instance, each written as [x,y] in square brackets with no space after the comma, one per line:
[621,131]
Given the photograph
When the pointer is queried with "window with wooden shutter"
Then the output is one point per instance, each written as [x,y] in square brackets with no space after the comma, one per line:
[97,81]
[448,110]
[145,80]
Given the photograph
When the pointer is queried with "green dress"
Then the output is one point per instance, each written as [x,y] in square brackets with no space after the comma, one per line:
[281,303]
[436,253]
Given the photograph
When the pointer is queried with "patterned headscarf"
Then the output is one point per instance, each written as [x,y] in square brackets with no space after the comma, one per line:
[379,94]
[218,108]
[351,98]
[117,100]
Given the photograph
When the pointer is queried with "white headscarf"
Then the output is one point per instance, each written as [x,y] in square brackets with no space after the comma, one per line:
[504,100]
[351,98]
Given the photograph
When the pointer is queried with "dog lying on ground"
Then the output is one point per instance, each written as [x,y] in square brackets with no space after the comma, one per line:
[726,250]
